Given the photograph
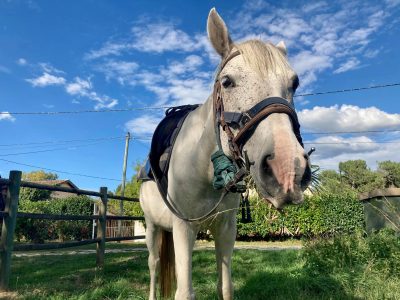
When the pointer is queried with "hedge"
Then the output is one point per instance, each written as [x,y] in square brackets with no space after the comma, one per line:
[322,214]
[37,231]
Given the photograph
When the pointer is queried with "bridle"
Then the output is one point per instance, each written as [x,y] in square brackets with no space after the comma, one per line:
[247,121]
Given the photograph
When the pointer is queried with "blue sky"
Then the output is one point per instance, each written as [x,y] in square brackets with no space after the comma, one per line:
[98,55]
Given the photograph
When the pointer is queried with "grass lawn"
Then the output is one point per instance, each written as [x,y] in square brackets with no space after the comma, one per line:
[256,274]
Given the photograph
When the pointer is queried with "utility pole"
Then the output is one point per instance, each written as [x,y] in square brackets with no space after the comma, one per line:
[121,203]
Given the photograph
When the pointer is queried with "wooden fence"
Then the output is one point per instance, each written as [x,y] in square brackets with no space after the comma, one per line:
[10,215]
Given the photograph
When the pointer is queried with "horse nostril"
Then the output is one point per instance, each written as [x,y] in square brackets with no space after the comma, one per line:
[270,156]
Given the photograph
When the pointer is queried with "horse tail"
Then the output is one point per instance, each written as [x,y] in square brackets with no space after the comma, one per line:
[167,264]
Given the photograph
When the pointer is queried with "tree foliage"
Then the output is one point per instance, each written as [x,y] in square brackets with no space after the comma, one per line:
[39,175]
[36,194]
[390,171]
[357,175]
[132,189]
[38,231]
[321,214]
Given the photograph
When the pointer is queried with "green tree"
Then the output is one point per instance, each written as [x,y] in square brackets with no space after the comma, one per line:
[359,177]
[331,182]
[132,189]
[35,194]
[390,171]
[39,175]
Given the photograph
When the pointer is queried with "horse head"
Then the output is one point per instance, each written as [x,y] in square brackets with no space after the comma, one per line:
[251,76]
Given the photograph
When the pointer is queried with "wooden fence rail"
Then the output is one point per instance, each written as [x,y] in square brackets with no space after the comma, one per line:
[10,214]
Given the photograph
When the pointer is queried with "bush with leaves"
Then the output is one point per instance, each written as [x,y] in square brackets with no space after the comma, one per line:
[321,214]
[38,231]
[354,254]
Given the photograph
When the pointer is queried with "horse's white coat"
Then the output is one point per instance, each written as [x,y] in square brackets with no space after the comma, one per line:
[191,171]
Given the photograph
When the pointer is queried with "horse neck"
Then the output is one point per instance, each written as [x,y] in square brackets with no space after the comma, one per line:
[199,141]
[208,140]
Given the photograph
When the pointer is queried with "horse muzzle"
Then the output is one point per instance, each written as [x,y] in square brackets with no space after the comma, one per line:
[282,181]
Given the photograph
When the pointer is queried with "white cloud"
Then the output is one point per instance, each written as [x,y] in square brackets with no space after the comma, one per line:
[79,87]
[22,61]
[332,146]
[109,48]
[122,71]
[306,64]
[48,68]
[178,83]
[84,88]
[319,37]
[161,37]
[143,126]
[314,6]
[371,153]
[392,3]
[190,64]
[350,64]
[46,80]
[48,105]
[6,116]
[149,37]
[346,118]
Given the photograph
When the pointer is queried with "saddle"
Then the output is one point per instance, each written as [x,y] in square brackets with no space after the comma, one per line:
[157,164]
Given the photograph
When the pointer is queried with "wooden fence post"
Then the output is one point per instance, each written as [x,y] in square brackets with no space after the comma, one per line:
[101,228]
[7,234]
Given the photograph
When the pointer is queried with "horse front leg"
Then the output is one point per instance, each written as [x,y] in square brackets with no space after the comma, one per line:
[184,239]
[225,235]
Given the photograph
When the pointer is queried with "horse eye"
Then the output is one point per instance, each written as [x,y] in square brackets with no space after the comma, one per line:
[295,83]
[227,82]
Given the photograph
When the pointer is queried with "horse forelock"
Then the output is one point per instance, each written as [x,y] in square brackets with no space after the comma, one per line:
[264,58]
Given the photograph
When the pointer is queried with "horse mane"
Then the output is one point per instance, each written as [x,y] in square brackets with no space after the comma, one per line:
[263,57]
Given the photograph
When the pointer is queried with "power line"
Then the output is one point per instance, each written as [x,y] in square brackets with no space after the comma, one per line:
[379,86]
[348,143]
[166,107]
[86,111]
[58,171]
[325,143]
[62,141]
[352,132]
[50,150]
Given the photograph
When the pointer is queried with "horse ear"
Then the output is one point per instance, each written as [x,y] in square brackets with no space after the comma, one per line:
[218,34]
[282,47]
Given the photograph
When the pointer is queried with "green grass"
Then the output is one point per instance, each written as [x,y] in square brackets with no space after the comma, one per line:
[342,269]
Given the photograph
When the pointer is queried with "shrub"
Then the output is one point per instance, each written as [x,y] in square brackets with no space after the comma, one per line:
[37,231]
[378,252]
[321,214]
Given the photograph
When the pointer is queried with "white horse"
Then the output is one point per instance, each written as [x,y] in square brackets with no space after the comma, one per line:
[249,72]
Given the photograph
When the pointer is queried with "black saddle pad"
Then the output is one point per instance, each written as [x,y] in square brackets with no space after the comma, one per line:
[162,144]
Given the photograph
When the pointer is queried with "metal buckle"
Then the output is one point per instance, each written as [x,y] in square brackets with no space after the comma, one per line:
[245,118]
